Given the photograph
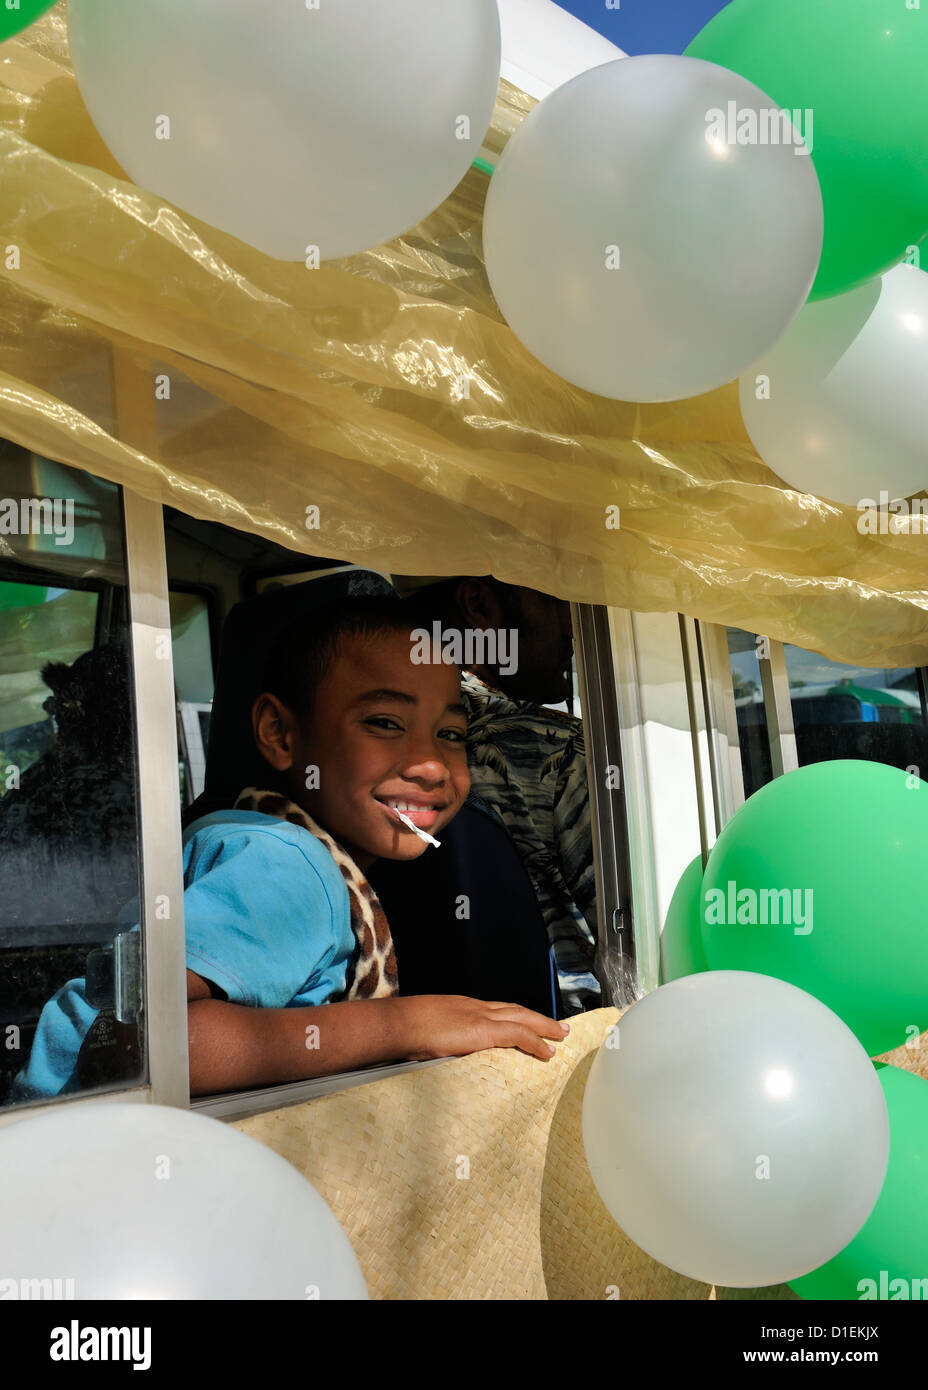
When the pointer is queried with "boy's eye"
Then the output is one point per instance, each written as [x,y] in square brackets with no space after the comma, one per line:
[383,721]
[453,735]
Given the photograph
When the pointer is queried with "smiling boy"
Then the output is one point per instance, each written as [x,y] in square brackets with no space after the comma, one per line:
[352,732]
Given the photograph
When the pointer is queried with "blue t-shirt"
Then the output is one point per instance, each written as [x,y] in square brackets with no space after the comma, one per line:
[267,920]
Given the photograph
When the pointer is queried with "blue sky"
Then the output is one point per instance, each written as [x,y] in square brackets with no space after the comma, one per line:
[646,26]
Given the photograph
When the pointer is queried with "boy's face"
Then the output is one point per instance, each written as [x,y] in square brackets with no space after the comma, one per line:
[382,732]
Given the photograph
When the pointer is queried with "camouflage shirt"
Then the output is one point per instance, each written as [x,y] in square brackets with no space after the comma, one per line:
[528,768]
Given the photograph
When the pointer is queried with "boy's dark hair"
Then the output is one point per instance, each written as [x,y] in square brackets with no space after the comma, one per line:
[302,655]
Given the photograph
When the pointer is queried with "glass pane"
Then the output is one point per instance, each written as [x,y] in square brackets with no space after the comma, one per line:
[856,712]
[193,682]
[69,880]
[192,646]
[749,704]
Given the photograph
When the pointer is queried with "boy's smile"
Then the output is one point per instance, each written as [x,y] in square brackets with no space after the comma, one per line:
[423,813]
[385,736]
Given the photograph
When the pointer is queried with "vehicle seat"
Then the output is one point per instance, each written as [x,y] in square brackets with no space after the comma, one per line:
[465,918]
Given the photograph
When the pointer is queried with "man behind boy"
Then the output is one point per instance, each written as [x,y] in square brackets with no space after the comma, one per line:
[528,762]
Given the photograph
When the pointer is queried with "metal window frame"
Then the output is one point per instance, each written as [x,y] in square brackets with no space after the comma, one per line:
[642,876]
[921,681]
[725,753]
[781,732]
[161,852]
[617,944]
[705,765]
[722,722]
[240,1105]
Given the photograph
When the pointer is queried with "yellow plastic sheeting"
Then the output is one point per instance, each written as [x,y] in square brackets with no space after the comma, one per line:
[386,391]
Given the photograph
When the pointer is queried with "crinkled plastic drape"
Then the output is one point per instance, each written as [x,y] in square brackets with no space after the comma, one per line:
[341,388]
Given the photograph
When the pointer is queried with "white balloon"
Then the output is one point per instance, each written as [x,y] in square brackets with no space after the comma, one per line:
[147,1202]
[846,417]
[339,127]
[544,46]
[716,243]
[738,1132]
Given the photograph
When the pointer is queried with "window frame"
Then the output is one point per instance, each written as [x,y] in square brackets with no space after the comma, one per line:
[161,848]
[725,745]
[159,836]
[615,908]
[681,758]
[781,734]
[158,799]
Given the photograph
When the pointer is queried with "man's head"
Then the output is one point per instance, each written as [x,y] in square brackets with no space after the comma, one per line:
[541,626]
[352,728]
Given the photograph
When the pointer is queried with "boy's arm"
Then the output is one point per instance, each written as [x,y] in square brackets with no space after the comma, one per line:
[236,1047]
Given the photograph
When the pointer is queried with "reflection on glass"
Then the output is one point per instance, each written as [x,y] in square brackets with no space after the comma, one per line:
[749,704]
[856,711]
[68,832]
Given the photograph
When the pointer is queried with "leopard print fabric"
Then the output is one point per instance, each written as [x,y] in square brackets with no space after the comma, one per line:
[372,974]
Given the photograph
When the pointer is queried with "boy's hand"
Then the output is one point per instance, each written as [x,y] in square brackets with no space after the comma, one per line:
[451,1025]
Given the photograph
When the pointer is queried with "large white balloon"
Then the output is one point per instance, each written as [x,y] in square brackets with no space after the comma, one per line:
[632,248]
[737,1132]
[544,46]
[839,407]
[338,127]
[147,1202]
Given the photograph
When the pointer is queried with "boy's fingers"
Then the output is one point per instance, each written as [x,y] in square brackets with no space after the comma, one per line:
[514,1034]
[547,1027]
[529,1041]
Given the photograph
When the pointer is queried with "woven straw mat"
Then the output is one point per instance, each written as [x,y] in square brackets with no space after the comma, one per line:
[467,1180]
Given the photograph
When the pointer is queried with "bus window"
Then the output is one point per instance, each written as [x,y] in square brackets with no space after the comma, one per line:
[753,734]
[68,833]
[856,712]
[479,913]
[191,640]
[803,708]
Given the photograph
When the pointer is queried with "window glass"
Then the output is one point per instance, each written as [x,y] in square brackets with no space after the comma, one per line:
[193,682]
[855,711]
[749,705]
[68,832]
[193,657]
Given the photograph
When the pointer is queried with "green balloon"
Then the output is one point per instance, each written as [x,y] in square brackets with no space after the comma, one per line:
[819,879]
[681,940]
[892,1245]
[860,67]
[19,14]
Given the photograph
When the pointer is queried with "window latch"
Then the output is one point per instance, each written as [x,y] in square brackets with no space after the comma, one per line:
[113,976]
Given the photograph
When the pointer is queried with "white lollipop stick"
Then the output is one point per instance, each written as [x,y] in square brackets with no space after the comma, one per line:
[423,835]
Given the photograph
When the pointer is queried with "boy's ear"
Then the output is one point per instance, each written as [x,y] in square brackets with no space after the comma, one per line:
[274,726]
